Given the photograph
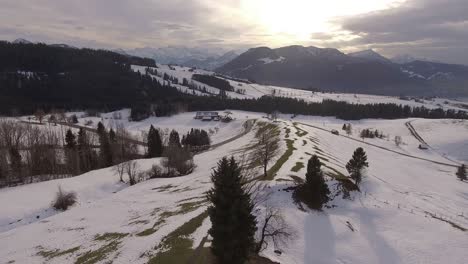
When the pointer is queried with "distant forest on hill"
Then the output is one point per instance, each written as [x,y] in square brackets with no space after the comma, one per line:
[38,76]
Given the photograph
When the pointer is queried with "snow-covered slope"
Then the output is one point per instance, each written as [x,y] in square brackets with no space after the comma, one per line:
[411,208]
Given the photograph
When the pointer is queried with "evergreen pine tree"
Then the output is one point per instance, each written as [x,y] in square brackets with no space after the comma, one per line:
[105,147]
[233,224]
[15,162]
[154,143]
[74,119]
[70,140]
[317,189]
[174,140]
[112,136]
[71,154]
[356,164]
[84,151]
[461,173]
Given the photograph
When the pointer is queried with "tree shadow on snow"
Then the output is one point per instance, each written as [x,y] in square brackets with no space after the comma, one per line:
[319,238]
[382,249]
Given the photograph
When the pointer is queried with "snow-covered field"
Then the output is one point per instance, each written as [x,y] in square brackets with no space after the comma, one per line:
[411,208]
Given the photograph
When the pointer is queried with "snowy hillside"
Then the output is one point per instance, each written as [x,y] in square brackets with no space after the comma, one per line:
[257,90]
[411,208]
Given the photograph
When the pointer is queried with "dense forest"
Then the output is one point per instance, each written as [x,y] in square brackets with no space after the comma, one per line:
[36,76]
[213,81]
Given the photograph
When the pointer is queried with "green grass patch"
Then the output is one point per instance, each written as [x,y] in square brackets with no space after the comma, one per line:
[184,208]
[113,241]
[139,222]
[185,189]
[147,232]
[277,166]
[299,165]
[192,198]
[288,131]
[299,131]
[176,247]
[110,236]
[95,256]
[263,127]
[163,188]
[50,254]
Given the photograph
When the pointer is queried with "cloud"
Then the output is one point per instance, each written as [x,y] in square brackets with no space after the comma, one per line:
[428,28]
[122,23]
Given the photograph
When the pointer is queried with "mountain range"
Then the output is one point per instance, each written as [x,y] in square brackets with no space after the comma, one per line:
[329,69]
[192,57]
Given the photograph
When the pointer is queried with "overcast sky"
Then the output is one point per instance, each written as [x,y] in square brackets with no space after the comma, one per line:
[436,29]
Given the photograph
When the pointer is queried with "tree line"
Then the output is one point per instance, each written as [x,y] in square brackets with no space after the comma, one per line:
[213,81]
[342,110]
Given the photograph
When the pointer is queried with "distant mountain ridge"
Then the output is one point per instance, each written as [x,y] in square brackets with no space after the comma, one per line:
[329,69]
[191,57]
[369,55]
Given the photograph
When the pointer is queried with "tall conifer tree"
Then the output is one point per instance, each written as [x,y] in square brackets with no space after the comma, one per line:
[357,164]
[233,224]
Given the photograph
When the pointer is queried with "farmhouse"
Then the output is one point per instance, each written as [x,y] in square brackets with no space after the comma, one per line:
[207,116]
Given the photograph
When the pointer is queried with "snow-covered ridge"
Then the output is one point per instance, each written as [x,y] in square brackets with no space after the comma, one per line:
[270,60]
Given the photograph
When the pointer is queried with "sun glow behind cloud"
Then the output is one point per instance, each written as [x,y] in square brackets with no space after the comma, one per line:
[296,21]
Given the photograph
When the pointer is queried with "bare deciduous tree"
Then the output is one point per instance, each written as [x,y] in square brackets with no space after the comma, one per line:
[39,114]
[274,229]
[132,170]
[120,170]
[266,148]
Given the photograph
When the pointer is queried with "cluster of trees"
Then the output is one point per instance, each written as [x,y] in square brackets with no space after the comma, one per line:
[314,192]
[27,151]
[178,158]
[169,78]
[113,147]
[42,152]
[196,138]
[368,133]
[142,111]
[348,129]
[461,173]
[213,81]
